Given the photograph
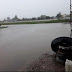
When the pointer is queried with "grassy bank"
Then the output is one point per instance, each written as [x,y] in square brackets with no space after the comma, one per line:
[36,22]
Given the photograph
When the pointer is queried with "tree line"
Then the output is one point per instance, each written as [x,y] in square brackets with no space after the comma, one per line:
[42,17]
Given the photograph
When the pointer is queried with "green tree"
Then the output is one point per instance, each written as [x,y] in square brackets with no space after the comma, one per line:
[59,15]
[47,17]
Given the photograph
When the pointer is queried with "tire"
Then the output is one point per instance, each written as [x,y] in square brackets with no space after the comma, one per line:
[61,41]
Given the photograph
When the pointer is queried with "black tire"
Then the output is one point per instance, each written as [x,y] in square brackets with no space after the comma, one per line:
[63,41]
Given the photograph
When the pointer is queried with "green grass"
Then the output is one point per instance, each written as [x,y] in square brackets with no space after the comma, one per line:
[36,22]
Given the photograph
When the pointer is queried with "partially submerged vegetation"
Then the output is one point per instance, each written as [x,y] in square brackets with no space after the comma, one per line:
[36,22]
[1,27]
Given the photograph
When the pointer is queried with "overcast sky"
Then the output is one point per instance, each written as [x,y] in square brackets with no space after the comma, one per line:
[32,8]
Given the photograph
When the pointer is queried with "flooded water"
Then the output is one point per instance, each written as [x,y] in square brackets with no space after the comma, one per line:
[22,44]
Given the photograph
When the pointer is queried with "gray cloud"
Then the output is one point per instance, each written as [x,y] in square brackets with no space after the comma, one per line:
[32,8]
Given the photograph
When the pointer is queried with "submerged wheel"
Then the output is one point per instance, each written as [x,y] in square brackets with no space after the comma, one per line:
[61,41]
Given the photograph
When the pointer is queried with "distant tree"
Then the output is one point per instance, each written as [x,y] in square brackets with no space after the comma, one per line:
[43,17]
[52,17]
[39,18]
[15,19]
[59,15]
[47,17]
[23,19]
[0,22]
[8,19]
[34,18]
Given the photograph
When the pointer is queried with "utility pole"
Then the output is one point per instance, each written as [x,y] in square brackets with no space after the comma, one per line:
[71,17]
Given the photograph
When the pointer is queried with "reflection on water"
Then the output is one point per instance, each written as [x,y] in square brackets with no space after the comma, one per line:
[22,44]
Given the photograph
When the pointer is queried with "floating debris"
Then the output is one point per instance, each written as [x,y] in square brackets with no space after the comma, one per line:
[1,27]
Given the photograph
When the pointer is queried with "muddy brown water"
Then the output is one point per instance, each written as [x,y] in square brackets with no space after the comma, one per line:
[22,44]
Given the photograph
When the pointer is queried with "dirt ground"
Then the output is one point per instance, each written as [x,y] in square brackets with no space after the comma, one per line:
[46,63]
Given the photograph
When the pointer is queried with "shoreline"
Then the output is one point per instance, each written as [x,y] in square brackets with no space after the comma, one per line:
[35,22]
[46,63]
